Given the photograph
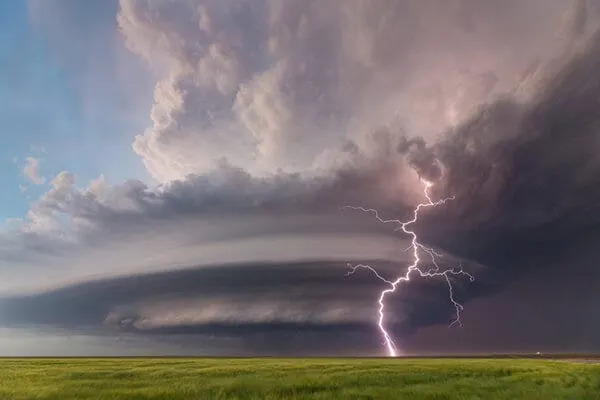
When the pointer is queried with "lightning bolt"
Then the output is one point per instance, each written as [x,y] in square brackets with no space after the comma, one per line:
[417,250]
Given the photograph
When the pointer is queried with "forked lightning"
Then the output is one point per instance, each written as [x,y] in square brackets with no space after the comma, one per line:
[417,250]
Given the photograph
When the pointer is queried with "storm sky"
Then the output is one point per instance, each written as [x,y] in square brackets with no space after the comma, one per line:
[175,175]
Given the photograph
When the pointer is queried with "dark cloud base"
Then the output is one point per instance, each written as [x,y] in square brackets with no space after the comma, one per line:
[310,290]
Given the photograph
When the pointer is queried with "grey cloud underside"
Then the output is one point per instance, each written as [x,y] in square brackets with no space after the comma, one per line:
[234,301]
[226,190]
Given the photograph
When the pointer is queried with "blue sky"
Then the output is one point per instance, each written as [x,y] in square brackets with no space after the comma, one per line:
[64,98]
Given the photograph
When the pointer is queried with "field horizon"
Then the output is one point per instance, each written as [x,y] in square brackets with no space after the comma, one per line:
[541,355]
[181,378]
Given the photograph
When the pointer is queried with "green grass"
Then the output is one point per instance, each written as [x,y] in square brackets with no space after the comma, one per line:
[175,379]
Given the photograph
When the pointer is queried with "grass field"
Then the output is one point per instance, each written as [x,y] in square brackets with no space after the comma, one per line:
[174,379]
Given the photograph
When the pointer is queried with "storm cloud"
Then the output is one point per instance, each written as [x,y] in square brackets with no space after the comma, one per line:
[270,116]
[248,302]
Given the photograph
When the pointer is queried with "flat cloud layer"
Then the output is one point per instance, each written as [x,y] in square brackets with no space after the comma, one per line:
[250,302]
[270,116]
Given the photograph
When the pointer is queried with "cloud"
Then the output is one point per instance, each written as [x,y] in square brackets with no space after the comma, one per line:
[32,171]
[502,163]
[44,216]
[256,301]
[269,116]
[107,230]
[528,169]
[275,85]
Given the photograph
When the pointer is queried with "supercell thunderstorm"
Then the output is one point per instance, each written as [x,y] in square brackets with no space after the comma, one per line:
[432,270]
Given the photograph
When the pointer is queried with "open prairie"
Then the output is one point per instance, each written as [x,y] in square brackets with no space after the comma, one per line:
[281,378]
